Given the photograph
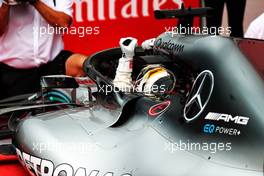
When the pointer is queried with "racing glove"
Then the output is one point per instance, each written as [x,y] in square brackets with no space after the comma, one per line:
[148,44]
[128,46]
[123,79]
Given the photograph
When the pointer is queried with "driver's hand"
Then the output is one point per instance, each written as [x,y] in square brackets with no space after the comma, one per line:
[128,46]
[148,44]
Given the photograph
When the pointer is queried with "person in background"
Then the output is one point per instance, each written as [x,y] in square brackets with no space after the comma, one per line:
[235,10]
[256,28]
[25,55]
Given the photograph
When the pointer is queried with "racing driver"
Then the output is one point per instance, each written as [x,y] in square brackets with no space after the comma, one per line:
[153,79]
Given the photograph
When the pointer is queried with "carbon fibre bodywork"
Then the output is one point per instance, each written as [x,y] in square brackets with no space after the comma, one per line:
[124,138]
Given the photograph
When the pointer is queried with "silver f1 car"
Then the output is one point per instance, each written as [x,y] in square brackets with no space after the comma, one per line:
[210,124]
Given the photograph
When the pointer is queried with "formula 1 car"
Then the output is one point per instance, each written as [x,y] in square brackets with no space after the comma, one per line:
[210,124]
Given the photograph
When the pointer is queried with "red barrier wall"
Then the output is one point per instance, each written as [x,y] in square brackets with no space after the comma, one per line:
[106,21]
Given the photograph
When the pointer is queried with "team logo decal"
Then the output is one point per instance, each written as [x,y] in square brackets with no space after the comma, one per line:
[43,167]
[199,95]
[226,118]
[215,129]
[159,108]
[240,120]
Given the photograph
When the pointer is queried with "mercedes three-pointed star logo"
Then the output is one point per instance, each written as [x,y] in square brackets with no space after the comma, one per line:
[199,95]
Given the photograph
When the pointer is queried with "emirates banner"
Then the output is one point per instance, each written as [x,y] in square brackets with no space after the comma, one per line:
[99,24]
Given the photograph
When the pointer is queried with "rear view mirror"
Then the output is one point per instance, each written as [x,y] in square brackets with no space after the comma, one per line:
[67,89]
[58,81]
